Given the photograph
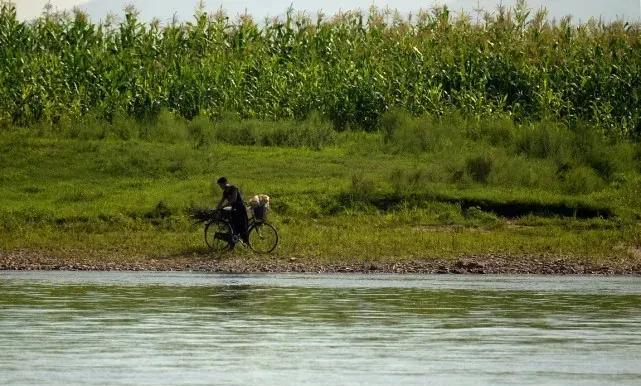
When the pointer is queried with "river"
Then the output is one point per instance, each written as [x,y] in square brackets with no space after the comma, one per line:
[126,328]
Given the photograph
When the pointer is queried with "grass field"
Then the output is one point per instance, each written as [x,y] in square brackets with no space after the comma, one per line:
[417,189]
[378,136]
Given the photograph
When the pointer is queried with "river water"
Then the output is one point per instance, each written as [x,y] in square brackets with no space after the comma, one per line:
[111,328]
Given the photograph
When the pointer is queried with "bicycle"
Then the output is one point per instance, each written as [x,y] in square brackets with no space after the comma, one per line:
[220,237]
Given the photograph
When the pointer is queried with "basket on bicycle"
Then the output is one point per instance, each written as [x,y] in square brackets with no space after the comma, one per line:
[260,206]
[260,213]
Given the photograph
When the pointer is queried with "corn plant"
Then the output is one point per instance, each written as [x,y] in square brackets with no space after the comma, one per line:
[351,67]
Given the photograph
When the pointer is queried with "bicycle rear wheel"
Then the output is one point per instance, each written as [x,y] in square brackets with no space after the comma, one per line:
[263,237]
[218,236]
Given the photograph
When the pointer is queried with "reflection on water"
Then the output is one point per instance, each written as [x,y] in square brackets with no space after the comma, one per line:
[190,329]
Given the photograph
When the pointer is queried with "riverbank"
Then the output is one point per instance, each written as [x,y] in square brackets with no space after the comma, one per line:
[481,264]
[350,205]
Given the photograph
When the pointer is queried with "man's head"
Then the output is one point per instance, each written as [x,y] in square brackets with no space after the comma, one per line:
[222,182]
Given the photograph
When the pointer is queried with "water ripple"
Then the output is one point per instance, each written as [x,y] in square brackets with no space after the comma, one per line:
[193,329]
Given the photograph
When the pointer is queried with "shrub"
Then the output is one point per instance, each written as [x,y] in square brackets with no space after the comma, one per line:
[393,121]
[313,132]
[237,132]
[362,188]
[479,167]
[90,126]
[605,157]
[544,140]
[510,170]
[316,132]
[405,134]
[201,131]
[406,182]
[165,127]
[477,216]
[497,130]
[582,180]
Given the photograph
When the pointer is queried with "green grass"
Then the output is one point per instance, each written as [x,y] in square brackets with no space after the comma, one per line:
[377,137]
[357,197]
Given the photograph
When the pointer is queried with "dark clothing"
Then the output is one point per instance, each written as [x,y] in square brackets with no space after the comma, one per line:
[239,220]
[232,195]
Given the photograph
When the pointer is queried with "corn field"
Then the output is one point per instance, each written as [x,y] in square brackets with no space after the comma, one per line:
[350,68]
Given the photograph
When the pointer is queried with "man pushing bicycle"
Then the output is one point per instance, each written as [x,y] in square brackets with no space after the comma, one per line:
[238,216]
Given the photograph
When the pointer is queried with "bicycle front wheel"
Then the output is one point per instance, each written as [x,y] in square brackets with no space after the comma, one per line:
[263,238]
[218,236]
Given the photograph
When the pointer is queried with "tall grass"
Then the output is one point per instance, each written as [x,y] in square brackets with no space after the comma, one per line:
[350,68]
[574,158]
[130,196]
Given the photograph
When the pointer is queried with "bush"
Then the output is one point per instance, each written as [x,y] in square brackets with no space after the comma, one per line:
[359,143]
[497,131]
[406,182]
[236,132]
[313,132]
[449,216]
[545,140]
[582,180]
[201,131]
[362,188]
[510,170]
[317,132]
[166,127]
[479,217]
[479,167]
[607,159]
[405,134]
[392,121]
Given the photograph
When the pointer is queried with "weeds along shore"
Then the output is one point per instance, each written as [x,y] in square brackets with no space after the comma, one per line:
[421,187]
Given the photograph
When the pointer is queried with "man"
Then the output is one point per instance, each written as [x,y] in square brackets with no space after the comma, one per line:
[233,198]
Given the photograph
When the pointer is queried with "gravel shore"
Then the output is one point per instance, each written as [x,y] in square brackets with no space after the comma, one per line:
[488,264]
